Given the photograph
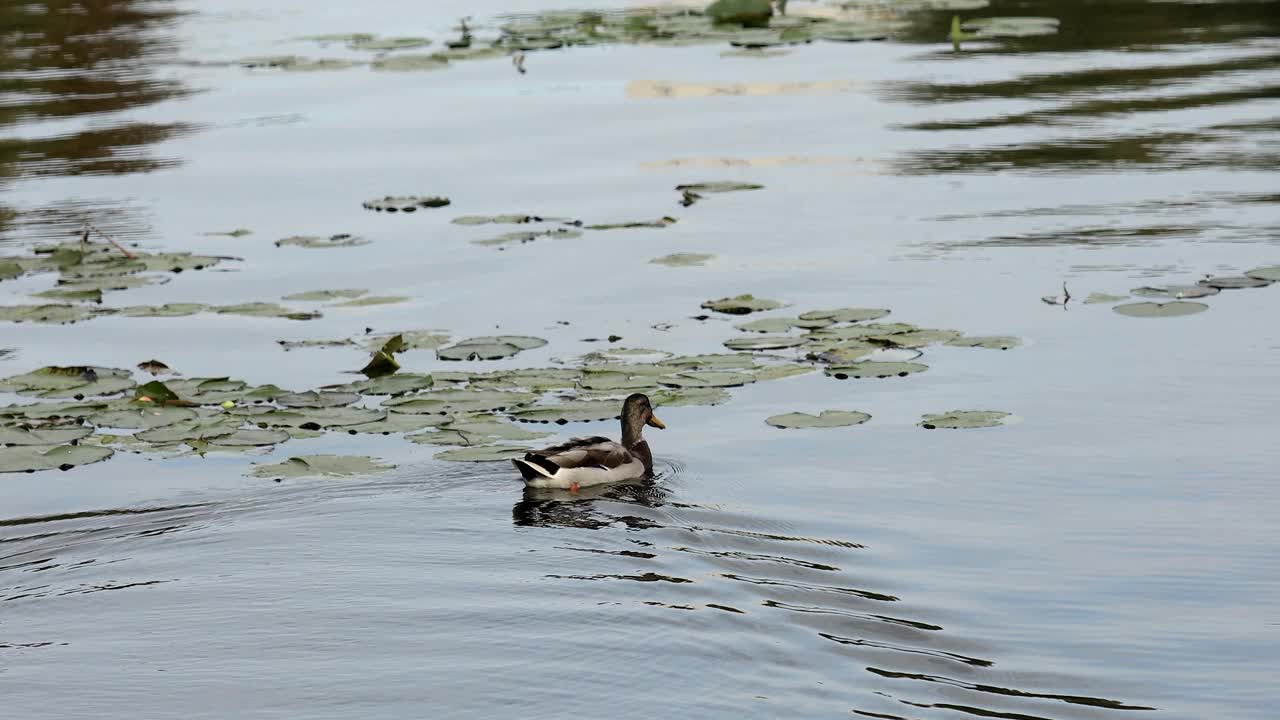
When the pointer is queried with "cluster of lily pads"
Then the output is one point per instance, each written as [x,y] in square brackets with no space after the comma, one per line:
[1179,300]
[84,414]
[753,26]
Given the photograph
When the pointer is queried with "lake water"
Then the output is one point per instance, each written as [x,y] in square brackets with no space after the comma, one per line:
[1111,553]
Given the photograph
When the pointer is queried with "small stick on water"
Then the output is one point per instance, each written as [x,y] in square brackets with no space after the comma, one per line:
[518,61]
[84,238]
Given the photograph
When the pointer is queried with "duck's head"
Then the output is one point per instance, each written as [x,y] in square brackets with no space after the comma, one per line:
[637,412]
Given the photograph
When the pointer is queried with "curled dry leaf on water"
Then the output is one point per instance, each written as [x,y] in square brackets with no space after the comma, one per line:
[1178,308]
[405,203]
[339,240]
[383,362]
[321,465]
[825,419]
[741,305]
[960,419]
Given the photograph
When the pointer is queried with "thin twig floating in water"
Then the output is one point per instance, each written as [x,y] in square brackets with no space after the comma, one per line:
[84,238]
[518,60]
[1058,299]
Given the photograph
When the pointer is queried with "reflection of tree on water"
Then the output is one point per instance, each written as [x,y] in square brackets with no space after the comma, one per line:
[561,508]
[64,59]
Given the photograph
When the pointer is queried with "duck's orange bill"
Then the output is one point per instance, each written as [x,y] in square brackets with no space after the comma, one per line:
[655,422]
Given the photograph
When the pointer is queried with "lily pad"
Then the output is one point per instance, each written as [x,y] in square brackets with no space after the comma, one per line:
[166,310]
[764,342]
[373,300]
[324,295]
[683,259]
[1011,27]
[1234,282]
[10,270]
[708,378]
[459,400]
[959,419]
[990,342]
[316,418]
[514,219]
[689,396]
[719,361]
[407,203]
[411,340]
[860,332]
[1175,292]
[318,241]
[397,384]
[580,411]
[916,338]
[142,416]
[770,325]
[718,187]
[826,419]
[873,369]
[31,458]
[53,436]
[528,236]
[489,453]
[778,372]
[411,63]
[265,310]
[383,44]
[321,465]
[203,429]
[846,314]
[741,305]
[46,314]
[250,438]
[57,378]
[313,399]
[93,295]
[489,348]
[616,381]
[1265,273]
[1160,310]
[399,423]
[845,353]
[1098,298]
[659,223]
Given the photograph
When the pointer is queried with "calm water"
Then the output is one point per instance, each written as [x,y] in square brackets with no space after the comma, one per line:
[1112,554]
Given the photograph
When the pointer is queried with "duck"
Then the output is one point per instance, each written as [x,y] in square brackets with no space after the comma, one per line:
[582,462]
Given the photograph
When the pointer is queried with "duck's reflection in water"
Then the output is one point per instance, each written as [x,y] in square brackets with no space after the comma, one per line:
[547,507]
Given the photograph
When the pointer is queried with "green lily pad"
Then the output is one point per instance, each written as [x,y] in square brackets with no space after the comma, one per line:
[719,361]
[315,418]
[250,438]
[534,379]
[845,314]
[627,355]
[31,458]
[1265,273]
[314,344]
[754,52]
[458,400]
[718,187]
[399,423]
[490,429]
[1098,298]
[93,295]
[708,378]
[340,240]
[324,295]
[683,259]
[166,310]
[489,348]
[55,378]
[373,300]
[101,386]
[489,453]
[764,342]
[53,436]
[46,314]
[873,369]
[1177,308]
[580,411]
[203,429]
[321,465]
[397,384]
[523,237]
[1175,292]
[960,419]
[616,381]
[411,63]
[238,232]
[826,419]
[845,353]
[916,338]
[382,44]
[741,305]
[407,203]
[849,32]
[142,416]
[313,399]
[860,332]
[1011,27]
[748,13]
[659,223]
[265,310]
[1234,282]
[689,396]
[513,219]
[10,270]
[338,37]
[990,342]
[778,372]
[411,340]
[769,325]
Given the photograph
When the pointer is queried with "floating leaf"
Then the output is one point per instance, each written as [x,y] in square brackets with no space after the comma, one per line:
[489,348]
[683,259]
[845,314]
[490,453]
[616,381]
[769,325]
[581,411]
[411,340]
[689,396]
[380,365]
[659,223]
[203,429]
[741,305]
[397,384]
[301,344]
[250,438]
[916,338]
[509,220]
[748,13]
[313,399]
[322,465]
[63,457]
[717,187]
[1011,27]
[56,378]
[990,342]
[708,378]
[10,270]
[1234,282]
[238,232]
[316,418]
[54,436]
[411,63]
[373,300]
[1097,298]
[398,43]
[458,400]
[958,419]
[46,314]
[873,369]
[262,309]
[408,203]
[528,236]
[1175,292]
[93,295]
[778,372]
[323,295]
[826,419]
[764,342]
[166,310]
[399,423]
[860,332]
[1265,273]
[718,361]
[1160,310]
[317,241]
[141,417]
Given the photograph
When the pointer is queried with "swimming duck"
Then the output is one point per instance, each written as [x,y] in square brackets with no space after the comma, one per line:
[595,460]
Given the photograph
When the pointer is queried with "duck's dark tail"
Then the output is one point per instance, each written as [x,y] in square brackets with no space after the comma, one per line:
[531,469]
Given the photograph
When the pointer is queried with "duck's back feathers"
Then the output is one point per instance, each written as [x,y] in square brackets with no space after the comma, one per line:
[580,461]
